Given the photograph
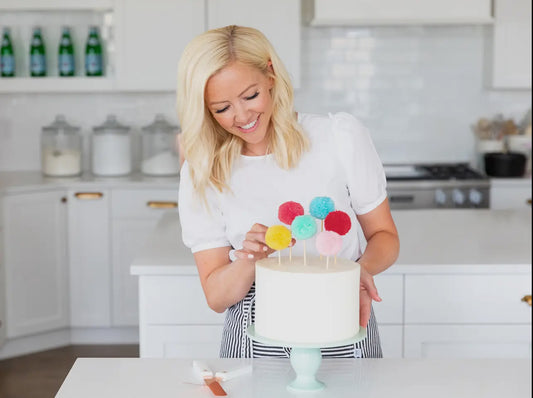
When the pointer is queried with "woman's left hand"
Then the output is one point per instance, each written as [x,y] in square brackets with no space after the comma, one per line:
[367,293]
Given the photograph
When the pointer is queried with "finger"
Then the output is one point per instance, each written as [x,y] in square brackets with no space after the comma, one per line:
[244,255]
[259,228]
[365,308]
[255,236]
[367,283]
[254,246]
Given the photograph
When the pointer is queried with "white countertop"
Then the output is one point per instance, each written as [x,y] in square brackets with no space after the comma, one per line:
[27,181]
[433,240]
[366,378]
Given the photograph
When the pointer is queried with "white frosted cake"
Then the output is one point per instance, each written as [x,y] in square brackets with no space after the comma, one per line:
[309,303]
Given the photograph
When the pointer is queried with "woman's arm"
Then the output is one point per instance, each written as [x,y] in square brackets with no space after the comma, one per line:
[226,283]
[383,246]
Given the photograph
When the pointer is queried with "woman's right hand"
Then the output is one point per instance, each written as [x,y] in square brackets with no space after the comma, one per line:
[254,246]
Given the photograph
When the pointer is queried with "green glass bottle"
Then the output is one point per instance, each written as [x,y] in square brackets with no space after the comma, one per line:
[93,54]
[7,55]
[37,54]
[65,59]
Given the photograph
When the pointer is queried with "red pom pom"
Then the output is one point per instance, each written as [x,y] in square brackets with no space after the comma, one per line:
[338,221]
[288,211]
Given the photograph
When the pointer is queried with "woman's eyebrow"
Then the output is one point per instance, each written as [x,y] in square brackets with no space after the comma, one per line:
[243,91]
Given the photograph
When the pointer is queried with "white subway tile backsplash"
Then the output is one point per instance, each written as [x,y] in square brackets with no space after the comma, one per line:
[417,89]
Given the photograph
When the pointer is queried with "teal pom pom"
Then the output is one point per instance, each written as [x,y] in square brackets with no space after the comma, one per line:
[321,206]
[303,227]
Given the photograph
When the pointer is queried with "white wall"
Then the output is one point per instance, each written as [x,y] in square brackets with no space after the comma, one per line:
[418,89]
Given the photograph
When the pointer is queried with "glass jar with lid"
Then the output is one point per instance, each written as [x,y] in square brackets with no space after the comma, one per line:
[61,149]
[159,157]
[111,148]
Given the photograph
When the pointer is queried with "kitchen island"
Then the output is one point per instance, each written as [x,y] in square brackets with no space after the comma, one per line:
[459,289]
[377,378]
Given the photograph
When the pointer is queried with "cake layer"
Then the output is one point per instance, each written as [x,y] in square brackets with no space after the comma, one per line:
[311,303]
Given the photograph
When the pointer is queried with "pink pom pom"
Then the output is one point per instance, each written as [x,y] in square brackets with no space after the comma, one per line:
[338,221]
[288,211]
[328,243]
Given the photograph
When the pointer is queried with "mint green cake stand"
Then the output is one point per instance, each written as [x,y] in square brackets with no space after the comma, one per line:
[305,358]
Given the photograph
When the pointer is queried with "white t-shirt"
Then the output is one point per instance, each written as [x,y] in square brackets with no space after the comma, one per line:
[342,164]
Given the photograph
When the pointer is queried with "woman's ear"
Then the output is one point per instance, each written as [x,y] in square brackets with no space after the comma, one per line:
[271,69]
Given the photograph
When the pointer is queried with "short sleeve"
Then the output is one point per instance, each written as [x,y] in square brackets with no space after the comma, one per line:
[202,227]
[365,176]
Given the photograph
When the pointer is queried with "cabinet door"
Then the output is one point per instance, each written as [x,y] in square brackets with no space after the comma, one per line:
[89,258]
[279,20]
[510,196]
[36,262]
[467,341]
[135,215]
[361,12]
[181,341]
[2,284]
[511,57]
[150,38]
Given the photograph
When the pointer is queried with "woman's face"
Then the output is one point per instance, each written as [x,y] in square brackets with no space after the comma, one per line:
[239,99]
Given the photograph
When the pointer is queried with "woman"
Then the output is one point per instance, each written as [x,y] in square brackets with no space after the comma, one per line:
[246,152]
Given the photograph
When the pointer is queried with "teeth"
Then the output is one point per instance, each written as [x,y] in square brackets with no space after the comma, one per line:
[249,125]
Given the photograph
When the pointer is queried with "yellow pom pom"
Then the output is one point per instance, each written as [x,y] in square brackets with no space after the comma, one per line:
[278,237]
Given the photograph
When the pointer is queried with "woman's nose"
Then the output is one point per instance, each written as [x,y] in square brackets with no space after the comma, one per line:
[241,115]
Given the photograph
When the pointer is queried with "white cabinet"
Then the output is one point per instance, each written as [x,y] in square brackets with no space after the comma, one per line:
[510,193]
[511,51]
[134,216]
[389,313]
[35,262]
[150,37]
[175,319]
[397,12]
[2,284]
[279,20]
[89,249]
[467,315]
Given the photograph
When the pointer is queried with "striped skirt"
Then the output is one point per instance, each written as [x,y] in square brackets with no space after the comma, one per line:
[236,344]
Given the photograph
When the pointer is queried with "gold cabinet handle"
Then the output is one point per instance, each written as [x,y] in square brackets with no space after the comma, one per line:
[88,195]
[527,299]
[528,202]
[155,204]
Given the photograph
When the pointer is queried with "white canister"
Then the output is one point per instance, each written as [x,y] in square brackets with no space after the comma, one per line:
[521,143]
[111,149]
[61,149]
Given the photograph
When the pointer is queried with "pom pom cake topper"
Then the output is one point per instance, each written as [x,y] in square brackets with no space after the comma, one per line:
[328,243]
[288,211]
[278,237]
[303,227]
[338,221]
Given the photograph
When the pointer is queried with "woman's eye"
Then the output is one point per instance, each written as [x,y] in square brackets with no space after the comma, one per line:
[253,96]
[222,110]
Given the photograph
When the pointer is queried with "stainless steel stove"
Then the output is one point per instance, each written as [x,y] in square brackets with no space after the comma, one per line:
[426,186]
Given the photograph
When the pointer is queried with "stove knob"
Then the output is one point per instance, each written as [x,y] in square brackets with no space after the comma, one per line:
[475,197]
[458,197]
[440,197]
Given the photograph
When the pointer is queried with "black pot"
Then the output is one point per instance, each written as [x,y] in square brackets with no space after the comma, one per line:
[510,164]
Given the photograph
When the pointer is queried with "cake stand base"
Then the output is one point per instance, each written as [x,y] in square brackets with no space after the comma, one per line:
[305,358]
[305,362]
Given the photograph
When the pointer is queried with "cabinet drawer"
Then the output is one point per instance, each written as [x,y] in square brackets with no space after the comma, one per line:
[132,203]
[175,300]
[510,197]
[467,341]
[467,299]
[181,341]
[390,289]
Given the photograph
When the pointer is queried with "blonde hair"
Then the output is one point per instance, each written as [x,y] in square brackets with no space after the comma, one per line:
[209,149]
